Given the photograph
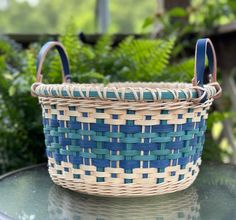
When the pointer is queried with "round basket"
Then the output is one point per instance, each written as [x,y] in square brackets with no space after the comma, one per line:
[126,139]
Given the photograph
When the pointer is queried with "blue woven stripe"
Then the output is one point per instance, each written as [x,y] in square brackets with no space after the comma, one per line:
[65,142]
[127,129]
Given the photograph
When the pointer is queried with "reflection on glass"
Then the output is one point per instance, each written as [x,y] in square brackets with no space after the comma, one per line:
[64,204]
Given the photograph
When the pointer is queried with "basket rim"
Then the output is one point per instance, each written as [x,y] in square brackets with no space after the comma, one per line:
[128,91]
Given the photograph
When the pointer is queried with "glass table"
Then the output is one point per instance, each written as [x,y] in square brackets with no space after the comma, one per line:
[30,194]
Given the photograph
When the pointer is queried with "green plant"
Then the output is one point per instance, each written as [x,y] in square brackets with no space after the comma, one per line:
[19,118]
[132,60]
[199,19]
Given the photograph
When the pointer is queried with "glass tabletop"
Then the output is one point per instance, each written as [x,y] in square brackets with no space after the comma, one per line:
[30,194]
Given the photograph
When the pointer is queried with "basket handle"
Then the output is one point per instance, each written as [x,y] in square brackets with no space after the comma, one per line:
[64,61]
[204,47]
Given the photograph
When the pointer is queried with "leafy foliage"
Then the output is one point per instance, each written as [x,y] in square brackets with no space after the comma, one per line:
[19,117]
[141,60]
[188,24]
[132,60]
[55,14]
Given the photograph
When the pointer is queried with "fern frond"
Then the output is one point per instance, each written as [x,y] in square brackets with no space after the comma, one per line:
[182,71]
[72,45]
[91,77]
[103,45]
[54,74]
[148,58]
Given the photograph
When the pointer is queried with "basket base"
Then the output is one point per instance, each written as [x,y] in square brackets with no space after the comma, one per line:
[107,189]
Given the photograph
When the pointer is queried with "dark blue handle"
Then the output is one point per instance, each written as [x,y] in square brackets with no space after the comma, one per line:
[64,60]
[204,48]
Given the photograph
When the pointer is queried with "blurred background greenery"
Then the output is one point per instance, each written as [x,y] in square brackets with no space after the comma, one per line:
[110,40]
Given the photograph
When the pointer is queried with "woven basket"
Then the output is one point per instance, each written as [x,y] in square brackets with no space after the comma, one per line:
[126,139]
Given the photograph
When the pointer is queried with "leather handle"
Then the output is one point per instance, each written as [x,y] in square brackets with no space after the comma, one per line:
[204,48]
[64,61]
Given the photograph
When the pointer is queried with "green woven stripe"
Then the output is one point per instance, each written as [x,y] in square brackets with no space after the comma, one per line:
[85,132]
[53,147]
[161,152]
[114,157]
[147,96]
[74,135]
[174,156]
[187,137]
[145,157]
[130,152]
[100,151]
[176,134]
[46,129]
[74,148]
[128,140]
[67,152]
[87,155]
[135,138]
[114,135]
[145,135]
[199,147]
[161,139]
[63,130]
[185,149]
[54,133]
[100,138]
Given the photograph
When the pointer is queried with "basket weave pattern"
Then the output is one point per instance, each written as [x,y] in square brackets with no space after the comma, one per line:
[91,143]
[126,139]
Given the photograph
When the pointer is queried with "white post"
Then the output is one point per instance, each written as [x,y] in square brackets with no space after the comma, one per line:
[102,15]
[160,11]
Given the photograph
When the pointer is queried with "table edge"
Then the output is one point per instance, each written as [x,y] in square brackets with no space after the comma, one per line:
[21,169]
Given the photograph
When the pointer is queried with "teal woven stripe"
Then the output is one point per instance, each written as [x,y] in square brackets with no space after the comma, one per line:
[53,147]
[131,139]
[85,132]
[161,139]
[114,157]
[145,157]
[100,138]
[64,130]
[67,152]
[147,96]
[87,155]
[115,134]
[129,152]
[161,152]
[74,136]
[174,156]
[127,146]
[74,148]
[145,135]
[100,151]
